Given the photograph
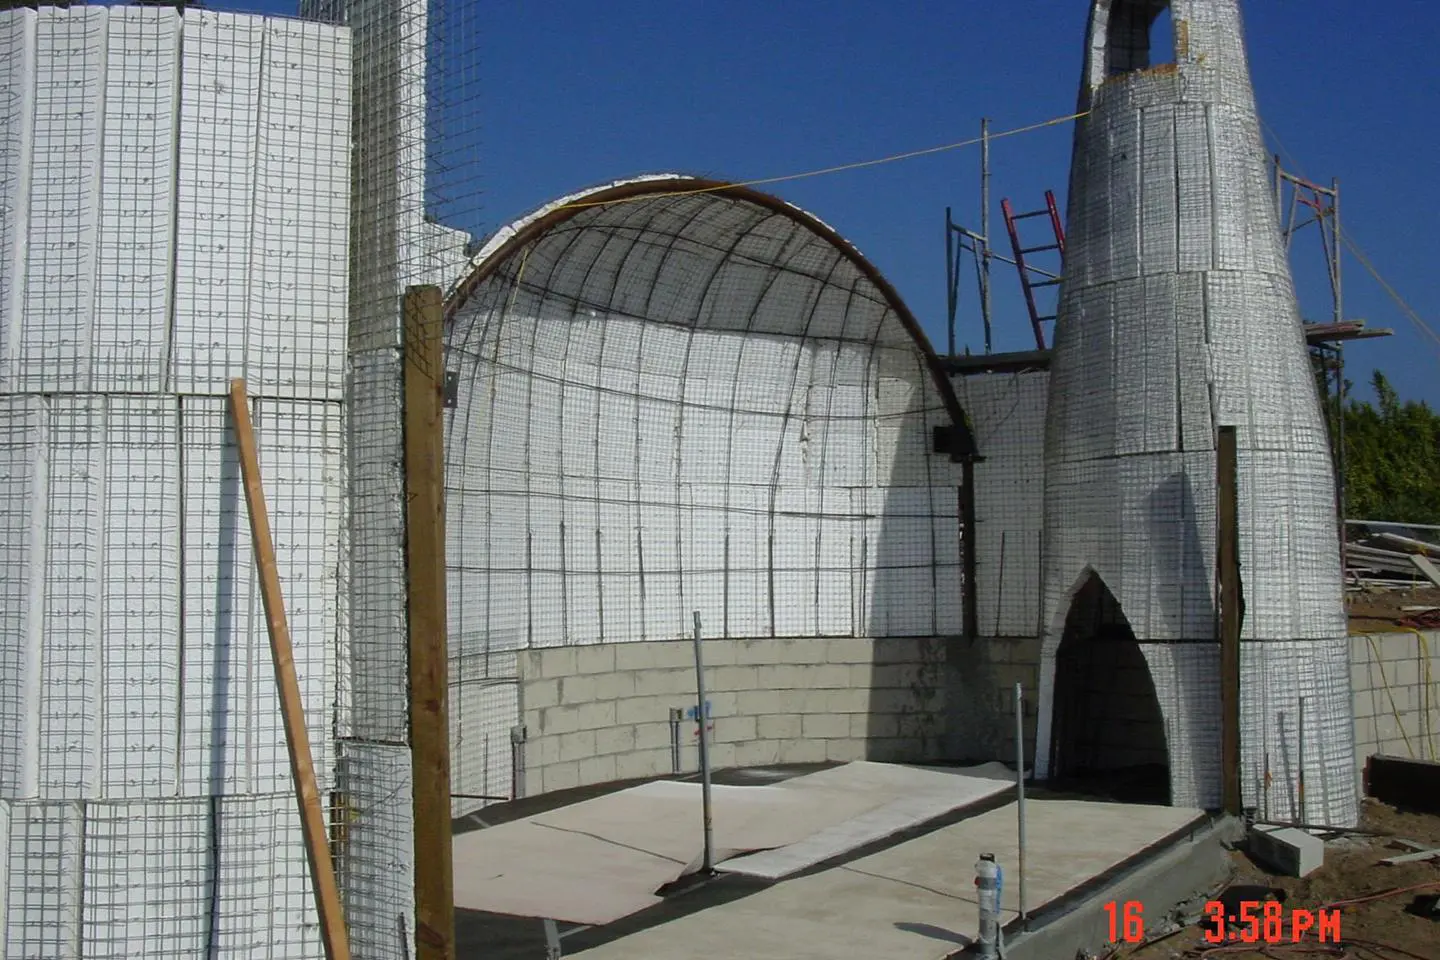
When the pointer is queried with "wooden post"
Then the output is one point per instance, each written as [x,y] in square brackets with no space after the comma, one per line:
[302,766]
[426,613]
[1232,612]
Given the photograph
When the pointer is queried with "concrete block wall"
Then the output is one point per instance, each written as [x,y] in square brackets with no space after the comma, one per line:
[600,712]
[1397,712]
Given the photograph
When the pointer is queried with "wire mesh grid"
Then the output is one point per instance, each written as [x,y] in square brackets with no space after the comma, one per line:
[1177,315]
[174,212]
[1007,412]
[684,403]
[416,98]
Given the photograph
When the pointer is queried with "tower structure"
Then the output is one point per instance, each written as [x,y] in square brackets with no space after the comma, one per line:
[1178,316]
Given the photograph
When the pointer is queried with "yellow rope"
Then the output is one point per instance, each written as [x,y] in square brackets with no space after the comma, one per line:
[1394,709]
[1427,686]
[838,168]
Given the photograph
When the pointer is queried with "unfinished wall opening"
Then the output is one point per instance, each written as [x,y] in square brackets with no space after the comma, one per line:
[1138,34]
[1108,735]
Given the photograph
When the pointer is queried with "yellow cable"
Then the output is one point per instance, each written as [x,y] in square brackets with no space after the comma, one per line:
[839,168]
[1375,652]
[1426,688]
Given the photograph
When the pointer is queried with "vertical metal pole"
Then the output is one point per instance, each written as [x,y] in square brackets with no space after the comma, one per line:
[1341,491]
[1020,794]
[950,280]
[1335,248]
[709,865]
[1300,736]
[985,227]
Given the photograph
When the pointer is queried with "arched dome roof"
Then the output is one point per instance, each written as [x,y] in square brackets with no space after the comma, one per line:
[705,223]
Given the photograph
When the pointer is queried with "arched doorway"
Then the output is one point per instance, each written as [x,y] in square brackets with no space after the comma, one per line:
[1107,732]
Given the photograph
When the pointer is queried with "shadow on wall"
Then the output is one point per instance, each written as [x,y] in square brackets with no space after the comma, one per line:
[915,600]
[1182,610]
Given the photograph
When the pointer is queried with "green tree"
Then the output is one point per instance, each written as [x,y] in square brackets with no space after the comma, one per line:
[1392,458]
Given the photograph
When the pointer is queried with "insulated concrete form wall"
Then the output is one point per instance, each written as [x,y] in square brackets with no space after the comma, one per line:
[1395,680]
[600,712]
[174,195]
[1178,315]
[680,402]
[1007,413]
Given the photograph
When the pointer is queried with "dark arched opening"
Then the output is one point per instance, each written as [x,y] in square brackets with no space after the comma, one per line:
[1108,735]
[1139,35]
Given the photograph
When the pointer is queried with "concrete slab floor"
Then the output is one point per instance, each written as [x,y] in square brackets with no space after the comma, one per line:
[914,900]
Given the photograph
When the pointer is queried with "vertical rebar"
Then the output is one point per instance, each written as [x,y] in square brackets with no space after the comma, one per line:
[1300,754]
[677,715]
[703,717]
[1020,797]
[984,247]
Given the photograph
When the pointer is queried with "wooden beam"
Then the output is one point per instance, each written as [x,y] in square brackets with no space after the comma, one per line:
[1232,612]
[426,612]
[292,709]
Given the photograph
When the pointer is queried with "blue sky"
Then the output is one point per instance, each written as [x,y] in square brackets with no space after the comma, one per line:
[570,93]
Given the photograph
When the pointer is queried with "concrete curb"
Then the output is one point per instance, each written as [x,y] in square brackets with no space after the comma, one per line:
[1170,872]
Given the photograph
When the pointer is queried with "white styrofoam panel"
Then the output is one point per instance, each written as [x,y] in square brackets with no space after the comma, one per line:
[140,586]
[148,869]
[53,343]
[130,337]
[78,514]
[222,609]
[300,446]
[264,901]
[46,880]
[299,259]
[233,739]
[17,80]
[220,94]
[24,481]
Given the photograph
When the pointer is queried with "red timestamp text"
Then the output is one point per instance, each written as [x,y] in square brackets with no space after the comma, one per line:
[1252,921]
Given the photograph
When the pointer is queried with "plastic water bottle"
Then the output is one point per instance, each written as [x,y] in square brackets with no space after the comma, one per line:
[987,886]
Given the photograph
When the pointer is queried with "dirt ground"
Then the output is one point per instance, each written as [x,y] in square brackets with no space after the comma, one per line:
[1379,927]
[1384,609]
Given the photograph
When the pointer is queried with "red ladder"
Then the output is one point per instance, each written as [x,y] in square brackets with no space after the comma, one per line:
[1011,224]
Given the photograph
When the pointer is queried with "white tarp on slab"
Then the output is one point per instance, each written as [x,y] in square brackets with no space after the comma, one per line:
[602,859]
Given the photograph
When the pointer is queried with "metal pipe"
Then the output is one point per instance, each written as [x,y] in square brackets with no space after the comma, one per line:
[985,227]
[677,715]
[703,717]
[950,281]
[1300,737]
[1020,797]
[518,735]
